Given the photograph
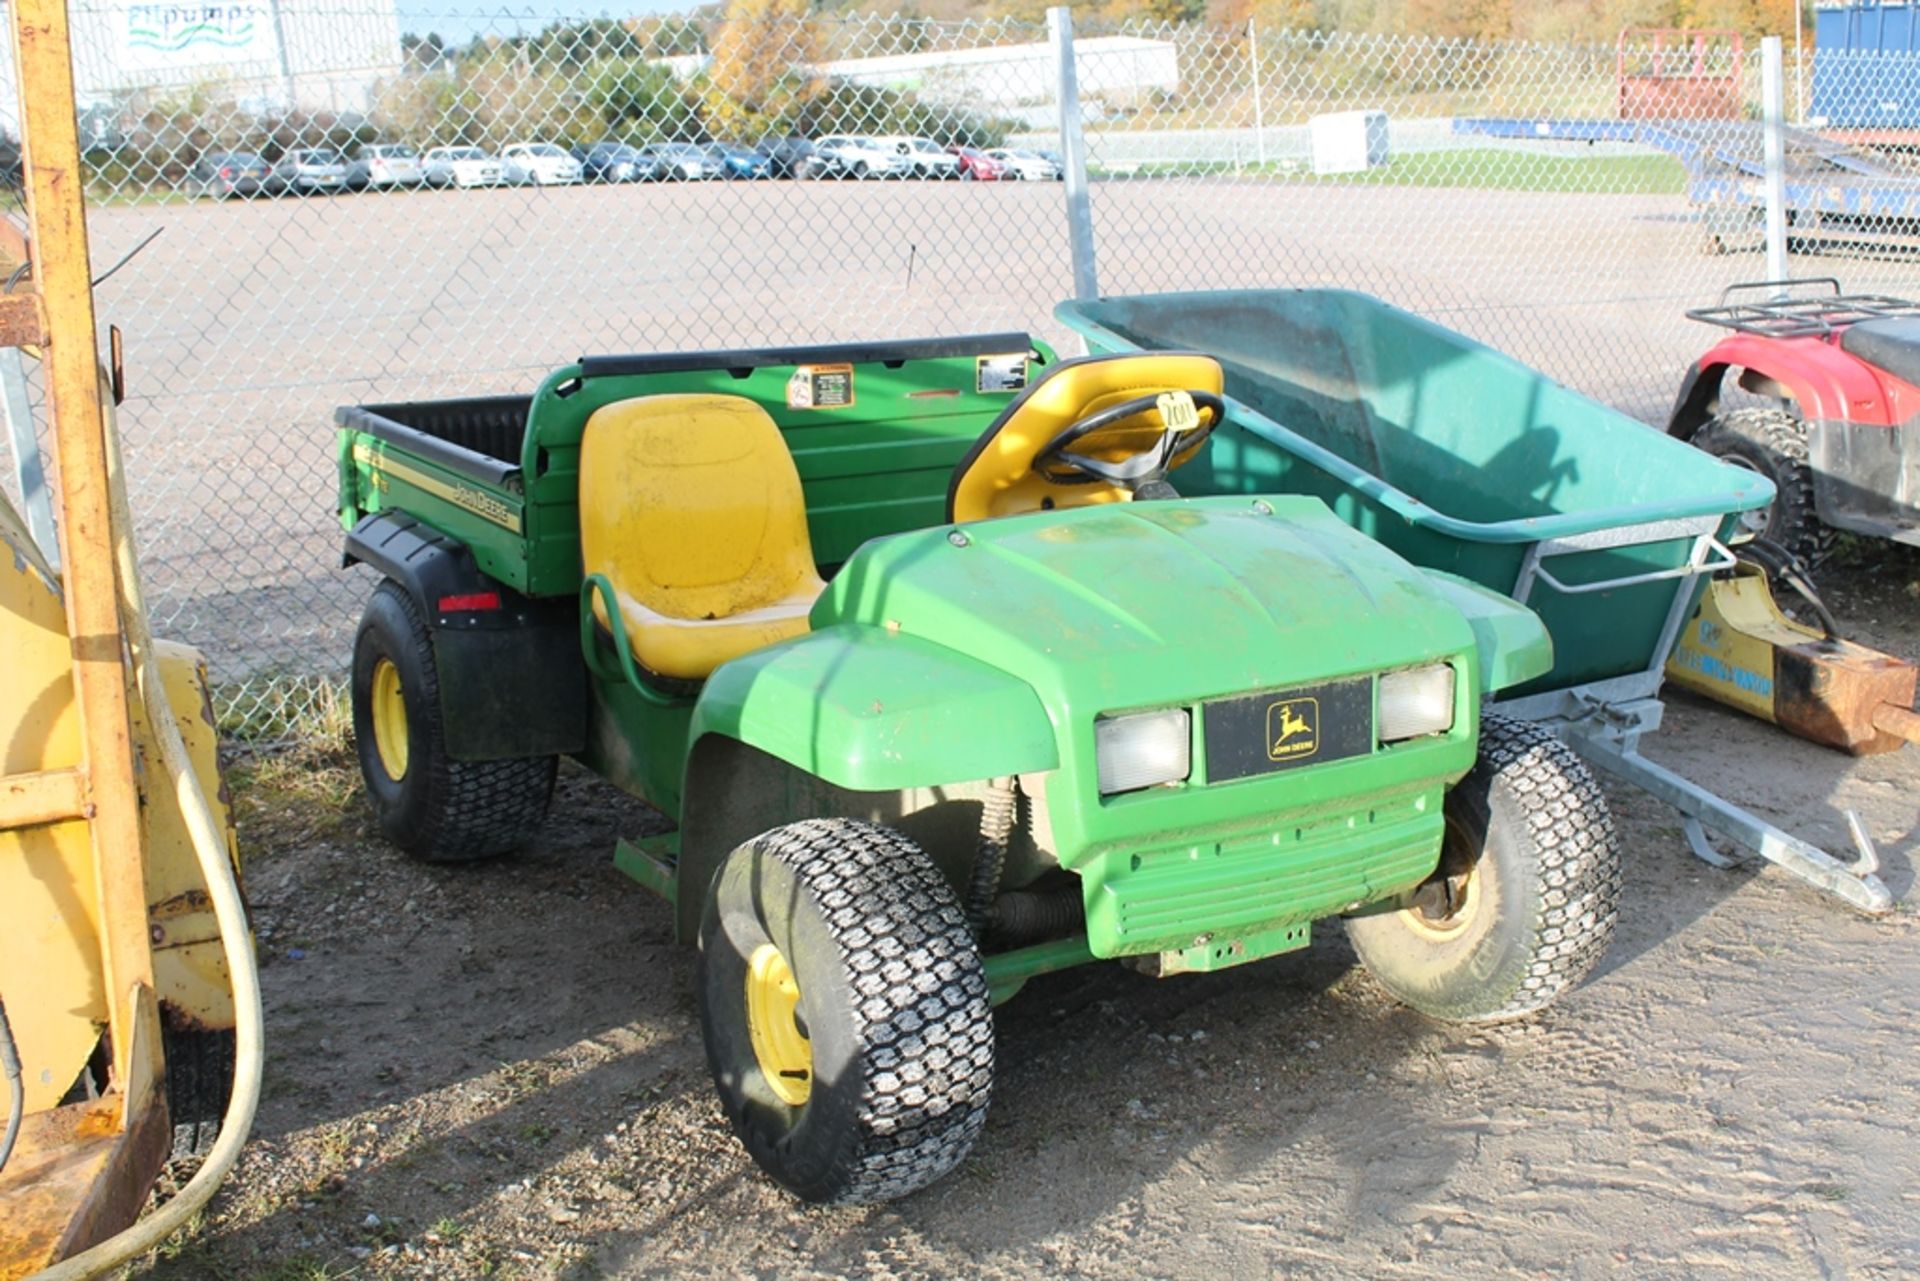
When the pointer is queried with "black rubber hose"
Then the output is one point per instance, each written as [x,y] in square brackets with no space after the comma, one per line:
[996,829]
[16,1087]
[1786,567]
[1035,916]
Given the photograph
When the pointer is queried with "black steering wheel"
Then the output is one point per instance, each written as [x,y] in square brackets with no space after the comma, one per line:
[1144,469]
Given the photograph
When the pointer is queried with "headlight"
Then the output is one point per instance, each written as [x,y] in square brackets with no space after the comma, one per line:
[1415,702]
[1142,750]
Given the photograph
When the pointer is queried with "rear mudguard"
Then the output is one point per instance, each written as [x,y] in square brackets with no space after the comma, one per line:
[512,682]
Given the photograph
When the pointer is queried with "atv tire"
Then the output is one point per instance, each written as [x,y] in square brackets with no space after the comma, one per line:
[844,1006]
[430,805]
[1525,899]
[1773,442]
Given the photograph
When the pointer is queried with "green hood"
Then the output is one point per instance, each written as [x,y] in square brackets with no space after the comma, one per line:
[1130,605]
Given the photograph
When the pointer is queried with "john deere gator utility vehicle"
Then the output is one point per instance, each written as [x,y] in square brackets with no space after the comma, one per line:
[946,687]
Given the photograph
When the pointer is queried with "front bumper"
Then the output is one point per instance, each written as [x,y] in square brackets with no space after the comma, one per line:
[1213,903]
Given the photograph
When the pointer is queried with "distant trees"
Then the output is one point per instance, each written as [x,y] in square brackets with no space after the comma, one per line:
[576,83]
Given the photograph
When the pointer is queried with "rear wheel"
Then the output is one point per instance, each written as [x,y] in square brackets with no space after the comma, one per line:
[430,805]
[1525,898]
[1773,442]
[845,1011]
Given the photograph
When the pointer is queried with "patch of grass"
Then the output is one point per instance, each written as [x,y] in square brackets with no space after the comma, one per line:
[1477,168]
[273,709]
[1828,1191]
[282,799]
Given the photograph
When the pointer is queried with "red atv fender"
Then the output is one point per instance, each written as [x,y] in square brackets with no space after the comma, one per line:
[1826,383]
[1858,463]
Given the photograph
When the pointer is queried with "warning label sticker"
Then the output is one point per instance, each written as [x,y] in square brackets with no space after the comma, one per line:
[1002,373]
[820,387]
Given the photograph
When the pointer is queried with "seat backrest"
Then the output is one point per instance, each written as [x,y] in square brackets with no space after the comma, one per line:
[996,478]
[691,506]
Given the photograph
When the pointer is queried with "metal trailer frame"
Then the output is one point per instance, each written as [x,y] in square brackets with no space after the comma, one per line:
[1831,191]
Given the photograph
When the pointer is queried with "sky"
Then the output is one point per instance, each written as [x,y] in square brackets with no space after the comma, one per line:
[458,21]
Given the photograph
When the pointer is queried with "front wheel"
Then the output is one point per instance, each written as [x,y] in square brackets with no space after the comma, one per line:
[844,1007]
[430,805]
[1774,443]
[1525,898]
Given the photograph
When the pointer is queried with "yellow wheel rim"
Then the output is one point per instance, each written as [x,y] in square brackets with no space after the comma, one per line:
[784,1053]
[1470,893]
[389,719]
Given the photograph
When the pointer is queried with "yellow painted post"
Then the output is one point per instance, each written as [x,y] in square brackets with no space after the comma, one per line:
[62,272]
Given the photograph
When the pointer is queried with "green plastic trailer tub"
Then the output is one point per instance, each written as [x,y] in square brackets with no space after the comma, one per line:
[1458,458]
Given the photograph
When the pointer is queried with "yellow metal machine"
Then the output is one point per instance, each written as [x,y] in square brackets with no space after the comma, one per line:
[121,929]
[1741,650]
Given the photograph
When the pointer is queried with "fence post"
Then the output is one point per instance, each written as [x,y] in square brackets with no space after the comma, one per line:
[1073,150]
[1771,108]
[1259,115]
[1799,72]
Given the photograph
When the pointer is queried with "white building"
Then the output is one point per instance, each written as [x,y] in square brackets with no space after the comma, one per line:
[1005,79]
[321,55]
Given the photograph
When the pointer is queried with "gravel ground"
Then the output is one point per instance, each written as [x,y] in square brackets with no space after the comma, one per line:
[495,1070]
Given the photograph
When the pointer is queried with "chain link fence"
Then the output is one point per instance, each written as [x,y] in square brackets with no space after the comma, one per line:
[344,206]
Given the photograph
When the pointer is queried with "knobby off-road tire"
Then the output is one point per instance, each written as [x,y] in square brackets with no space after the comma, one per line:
[430,805]
[889,1088]
[1536,870]
[1773,442]
[199,1082]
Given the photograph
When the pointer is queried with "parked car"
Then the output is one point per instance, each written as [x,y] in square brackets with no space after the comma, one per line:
[976,165]
[730,160]
[228,173]
[541,163]
[1030,166]
[790,157]
[614,162]
[925,157]
[677,160]
[462,167]
[306,170]
[385,164]
[852,156]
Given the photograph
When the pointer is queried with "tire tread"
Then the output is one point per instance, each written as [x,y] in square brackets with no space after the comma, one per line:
[1581,876]
[1781,437]
[923,1015]
[474,809]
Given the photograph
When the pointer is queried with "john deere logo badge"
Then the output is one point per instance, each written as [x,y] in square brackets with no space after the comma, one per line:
[1293,728]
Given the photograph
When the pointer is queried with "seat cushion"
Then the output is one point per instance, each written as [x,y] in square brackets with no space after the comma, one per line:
[691,507]
[690,648]
[1892,345]
[996,478]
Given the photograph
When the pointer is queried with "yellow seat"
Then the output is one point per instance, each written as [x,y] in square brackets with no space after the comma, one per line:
[997,477]
[691,507]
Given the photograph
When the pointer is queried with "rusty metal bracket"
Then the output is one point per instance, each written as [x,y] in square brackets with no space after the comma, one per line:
[22,320]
